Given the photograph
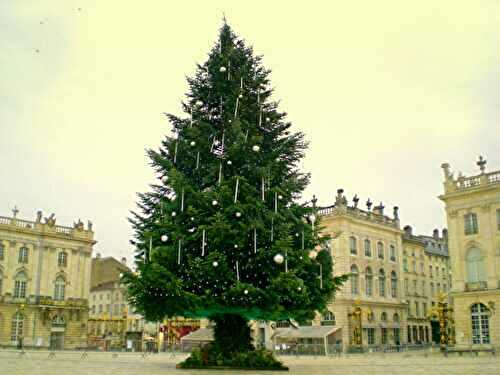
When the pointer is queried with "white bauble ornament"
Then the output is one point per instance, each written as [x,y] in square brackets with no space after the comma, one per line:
[240,96]
[193,143]
[229,162]
[238,214]
[192,219]
[256,148]
[230,121]
[165,178]
[222,69]
[245,291]
[313,254]
[214,203]
[164,238]
[268,119]
[280,196]
[301,257]
[299,288]
[278,258]
[199,103]
[235,246]
[191,230]
[217,143]
[174,214]
[296,234]
[215,264]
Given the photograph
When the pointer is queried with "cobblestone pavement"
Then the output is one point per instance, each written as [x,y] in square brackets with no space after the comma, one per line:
[72,363]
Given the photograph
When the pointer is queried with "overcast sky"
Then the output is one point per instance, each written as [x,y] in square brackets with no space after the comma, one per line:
[385,92]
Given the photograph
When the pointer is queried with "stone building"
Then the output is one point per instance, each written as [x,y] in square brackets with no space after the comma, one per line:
[44,282]
[112,321]
[473,215]
[426,274]
[370,309]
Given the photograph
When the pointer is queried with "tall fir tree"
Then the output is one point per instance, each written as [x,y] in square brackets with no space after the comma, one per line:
[222,235]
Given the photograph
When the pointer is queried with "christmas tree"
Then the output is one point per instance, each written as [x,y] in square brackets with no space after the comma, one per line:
[222,235]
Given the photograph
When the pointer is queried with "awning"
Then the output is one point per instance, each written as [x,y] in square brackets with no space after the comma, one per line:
[202,334]
[310,332]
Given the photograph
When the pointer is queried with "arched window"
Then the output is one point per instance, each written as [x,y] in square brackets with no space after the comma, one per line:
[394,284]
[380,250]
[2,251]
[368,248]
[392,253]
[23,255]
[381,283]
[353,245]
[20,285]
[432,289]
[17,326]
[62,259]
[328,319]
[59,288]
[369,281]
[1,279]
[480,324]
[354,279]
[383,317]
[475,266]
[395,317]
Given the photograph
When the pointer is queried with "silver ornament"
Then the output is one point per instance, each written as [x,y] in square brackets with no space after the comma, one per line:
[214,203]
[240,96]
[164,238]
[174,214]
[235,246]
[268,119]
[245,291]
[229,162]
[199,103]
[215,264]
[193,143]
[299,288]
[238,214]
[222,69]
[256,148]
[280,196]
[278,258]
[192,219]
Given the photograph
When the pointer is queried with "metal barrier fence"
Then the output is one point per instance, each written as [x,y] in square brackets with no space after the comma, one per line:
[332,350]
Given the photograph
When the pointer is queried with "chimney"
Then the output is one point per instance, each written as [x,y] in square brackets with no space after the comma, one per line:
[445,234]
[435,234]
[124,260]
[408,230]
[395,212]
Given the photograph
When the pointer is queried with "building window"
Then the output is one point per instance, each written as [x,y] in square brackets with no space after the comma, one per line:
[381,283]
[353,245]
[443,273]
[415,287]
[383,337]
[407,292]
[62,259]
[93,309]
[432,289]
[20,283]
[423,287]
[396,336]
[437,271]
[369,281]
[498,219]
[395,318]
[58,321]
[282,324]
[368,248]
[392,252]
[59,288]
[371,336]
[424,309]
[475,266]
[354,279]
[380,250]
[117,309]
[422,268]
[444,288]
[430,271]
[23,255]
[100,309]
[414,266]
[480,324]
[383,316]
[394,284]
[405,264]
[470,224]
[328,319]
[417,309]
[2,251]
[1,278]
[17,326]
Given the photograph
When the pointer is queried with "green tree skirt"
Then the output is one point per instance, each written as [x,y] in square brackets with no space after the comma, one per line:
[209,357]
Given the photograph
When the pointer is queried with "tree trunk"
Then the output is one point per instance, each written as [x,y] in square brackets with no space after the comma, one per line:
[231,334]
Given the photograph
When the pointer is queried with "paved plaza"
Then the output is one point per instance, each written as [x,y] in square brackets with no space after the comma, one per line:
[73,363]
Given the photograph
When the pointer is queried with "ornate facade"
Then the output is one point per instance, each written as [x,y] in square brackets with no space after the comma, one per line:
[44,282]
[473,215]
[370,308]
